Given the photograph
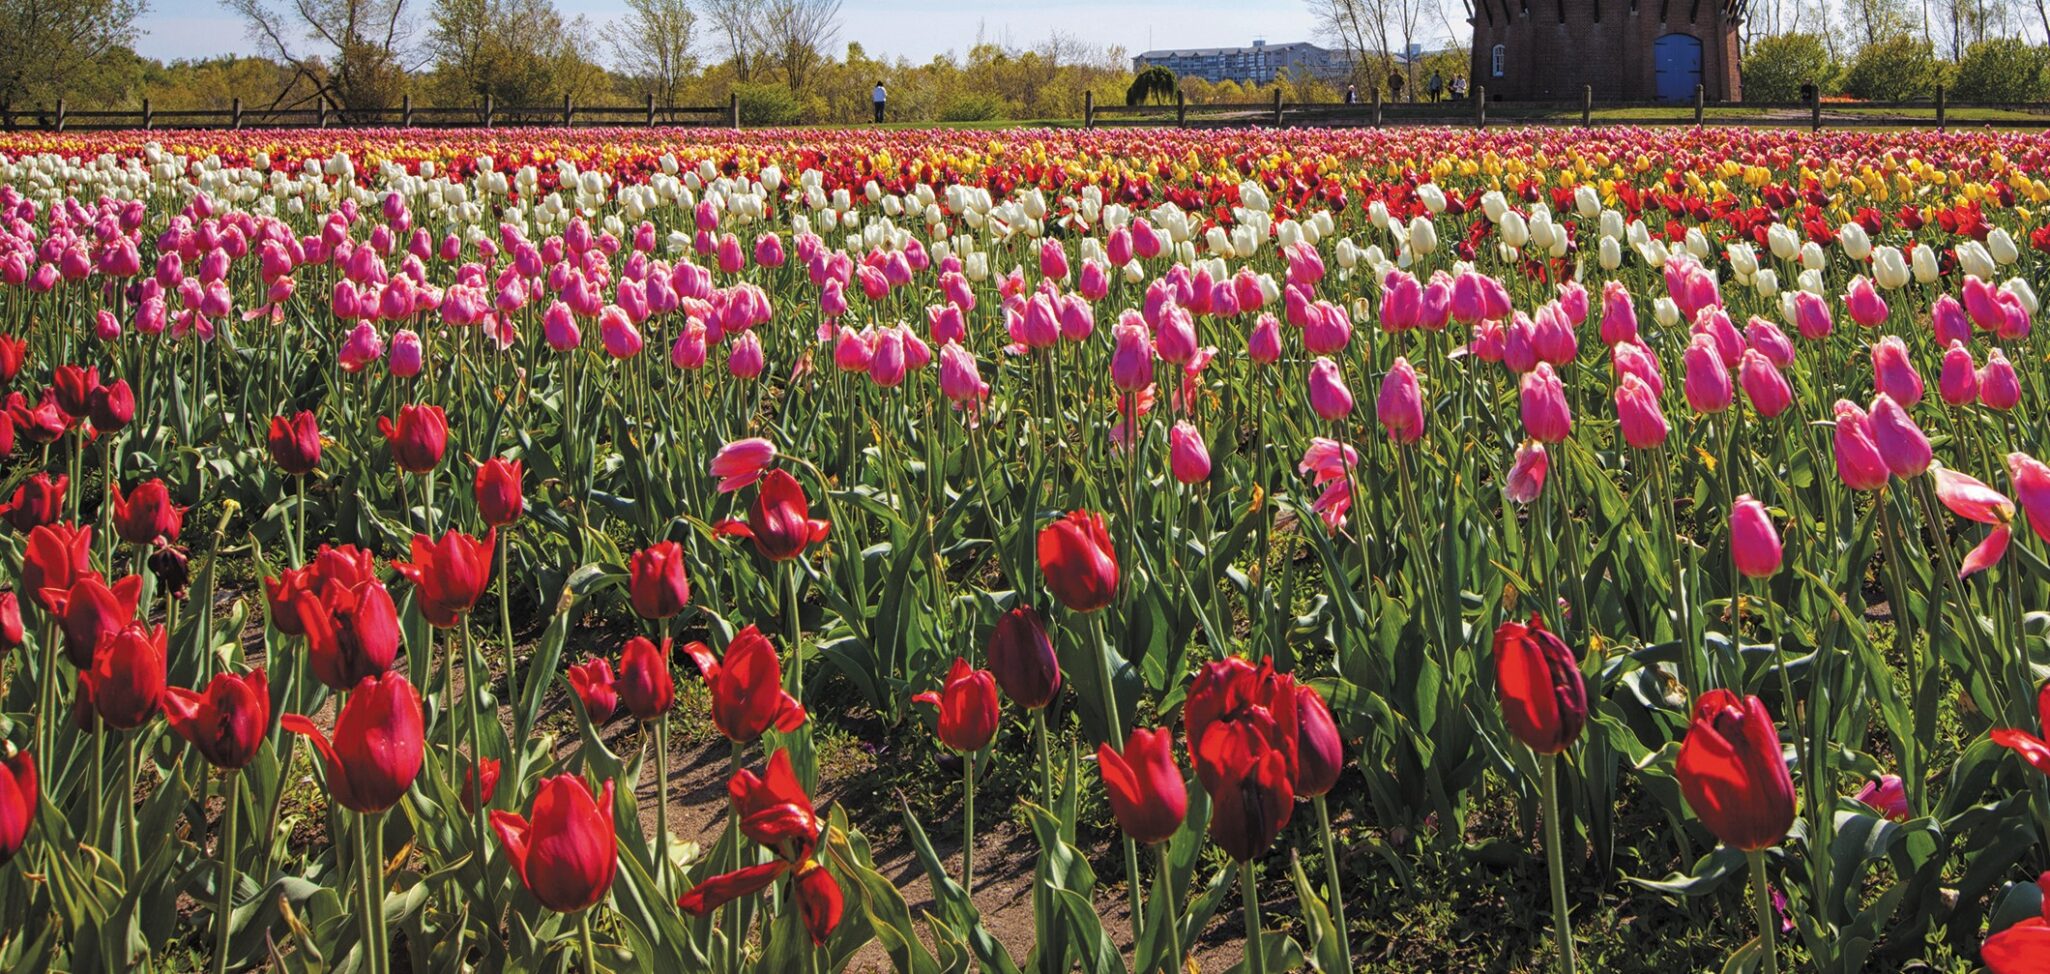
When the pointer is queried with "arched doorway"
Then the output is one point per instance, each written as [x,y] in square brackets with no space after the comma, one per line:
[1677,58]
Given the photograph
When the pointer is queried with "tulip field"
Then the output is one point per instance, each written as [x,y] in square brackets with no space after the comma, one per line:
[795,550]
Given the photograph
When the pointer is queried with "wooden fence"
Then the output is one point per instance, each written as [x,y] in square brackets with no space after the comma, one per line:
[406,115]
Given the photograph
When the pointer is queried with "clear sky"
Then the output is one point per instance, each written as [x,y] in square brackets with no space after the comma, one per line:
[916,29]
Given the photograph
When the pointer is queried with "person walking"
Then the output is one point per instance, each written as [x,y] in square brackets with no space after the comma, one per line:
[880,97]
[1436,85]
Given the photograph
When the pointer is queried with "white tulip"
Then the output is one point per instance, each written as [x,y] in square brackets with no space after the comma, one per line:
[1423,235]
[1852,238]
[1923,263]
[2001,245]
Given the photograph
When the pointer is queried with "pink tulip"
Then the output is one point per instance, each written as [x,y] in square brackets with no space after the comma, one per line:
[1888,796]
[1858,463]
[1094,284]
[1893,374]
[618,334]
[1188,459]
[1706,380]
[362,347]
[1970,498]
[1754,542]
[1764,385]
[1958,382]
[1053,260]
[1263,345]
[405,359]
[2031,481]
[1637,412]
[1527,474]
[1811,316]
[744,356]
[1328,395]
[1469,301]
[1982,303]
[1546,417]
[1401,301]
[559,327]
[1864,303]
[1328,329]
[1400,405]
[2014,324]
[1619,314]
[1175,339]
[1901,443]
[1573,301]
[1634,358]
[1715,323]
[1519,343]
[1770,341]
[1947,318]
[1998,386]
[742,462]
[1553,337]
[1131,358]
[888,365]
[960,380]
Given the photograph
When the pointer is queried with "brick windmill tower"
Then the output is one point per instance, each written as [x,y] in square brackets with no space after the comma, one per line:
[1627,50]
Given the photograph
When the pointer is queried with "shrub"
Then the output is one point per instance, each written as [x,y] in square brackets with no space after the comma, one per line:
[769,103]
[1776,67]
[2005,69]
[1895,69]
[974,108]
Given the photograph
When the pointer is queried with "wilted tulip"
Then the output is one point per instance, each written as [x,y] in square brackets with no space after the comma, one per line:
[1526,478]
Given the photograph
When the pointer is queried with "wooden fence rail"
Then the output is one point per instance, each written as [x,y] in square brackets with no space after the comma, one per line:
[238,116]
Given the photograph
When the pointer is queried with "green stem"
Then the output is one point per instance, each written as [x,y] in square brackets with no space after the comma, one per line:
[512,676]
[130,855]
[224,916]
[1167,896]
[1249,891]
[1045,758]
[584,937]
[968,822]
[364,856]
[1555,861]
[1762,897]
[732,914]
[1331,878]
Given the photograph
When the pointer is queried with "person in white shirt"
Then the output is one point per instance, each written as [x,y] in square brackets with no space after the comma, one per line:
[879,96]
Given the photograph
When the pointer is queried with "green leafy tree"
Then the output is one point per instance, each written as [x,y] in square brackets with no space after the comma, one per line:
[1155,84]
[53,48]
[1775,68]
[2004,69]
[1897,68]
[768,103]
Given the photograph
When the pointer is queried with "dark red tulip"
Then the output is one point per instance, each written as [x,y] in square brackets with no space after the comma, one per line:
[1544,697]
[1252,796]
[18,803]
[656,584]
[747,687]
[2035,750]
[1231,696]
[450,574]
[418,439]
[126,681]
[147,514]
[74,387]
[347,566]
[2022,948]
[1733,774]
[488,771]
[13,352]
[38,501]
[45,422]
[113,406]
[499,501]
[818,901]
[967,702]
[378,744]
[1022,658]
[567,855]
[644,682]
[295,443]
[11,631]
[1145,786]
[57,556]
[594,686]
[780,522]
[90,611]
[7,432]
[717,891]
[352,632]
[1320,751]
[226,723]
[1078,561]
[172,566]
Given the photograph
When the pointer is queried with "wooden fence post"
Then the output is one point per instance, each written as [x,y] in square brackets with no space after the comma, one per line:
[1277,106]
[60,114]
[1480,106]
[148,116]
[569,112]
[1181,109]
[320,117]
[651,109]
[406,110]
[235,114]
[1586,106]
[1700,99]
[733,109]
[1089,109]
[1377,107]
[1815,108]
[1939,108]
[487,109]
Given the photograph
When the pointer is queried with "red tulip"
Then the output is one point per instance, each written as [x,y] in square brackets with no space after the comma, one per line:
[656,583]
[347,566]
[18,802]
[780,522]
[295,443]
[818,901]
[2034,750]
[967,702]
[378,744]
[644,683]
[113,406]
[1251,795]
[418,439]
[57,556]
[775,812]
[592,681]
[747,687]
[13,352]
[1320,751]
[126,681]
[352,632]
[147,514]
[449,574]
[499,501]
[91,611]
[2023,948]
[38,501]
[567,855]
[1544,697]
[45,422]
[11,630]
[1732,773]
[1022,658]
[74,387]
[227,722]
[1229,697]
[1078,561]
[1146,789]
[486,769]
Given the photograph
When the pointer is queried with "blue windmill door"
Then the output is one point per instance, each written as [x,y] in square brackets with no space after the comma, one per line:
[1677,58]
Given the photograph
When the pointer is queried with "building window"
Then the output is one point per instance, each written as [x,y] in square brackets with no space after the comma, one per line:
[1496,61]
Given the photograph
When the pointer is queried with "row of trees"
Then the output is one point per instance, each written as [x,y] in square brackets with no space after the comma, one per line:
[1897,67]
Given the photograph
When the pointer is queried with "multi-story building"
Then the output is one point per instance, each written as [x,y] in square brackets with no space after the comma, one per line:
[1258,63]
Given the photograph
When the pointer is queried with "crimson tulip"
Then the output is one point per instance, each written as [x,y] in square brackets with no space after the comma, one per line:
[90,611]
[418,439]
[775,812]
[1022,658]
[1147,792]
[1537,679]
[567,854]
[450,574]
[2022,948]
[1251,794]
[38,501]
[967,703]
[1230,697]
[656,583]
[227,722]
[126,681]
[499,501]
[1732,773]
[1078,561]
[747,687]
[74,387]
[644,683]
[295,443]
[112,407]
[18,802]
[352,631]
[58,555]
[780,521]
[592,681]
[378,744]
[13,352]
[485,772]
[147,513]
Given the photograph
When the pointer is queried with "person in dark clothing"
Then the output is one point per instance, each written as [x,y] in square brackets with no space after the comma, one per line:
[880,97]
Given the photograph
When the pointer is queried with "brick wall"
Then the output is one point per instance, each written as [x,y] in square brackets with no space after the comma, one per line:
[1554,48]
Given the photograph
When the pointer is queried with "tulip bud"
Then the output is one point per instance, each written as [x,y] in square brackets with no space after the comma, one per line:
[1538,680]
[1732,773]
[1146,791]
[1754,543]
